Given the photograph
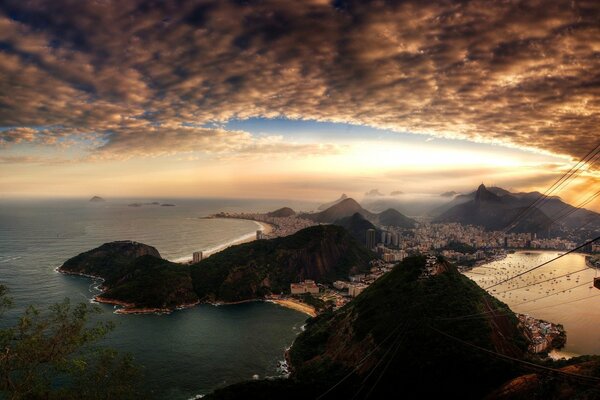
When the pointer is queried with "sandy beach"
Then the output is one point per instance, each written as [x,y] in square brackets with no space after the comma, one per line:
[295,305]
[266,228]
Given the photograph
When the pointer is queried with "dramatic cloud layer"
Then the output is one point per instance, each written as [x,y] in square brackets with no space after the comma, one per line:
[145,78]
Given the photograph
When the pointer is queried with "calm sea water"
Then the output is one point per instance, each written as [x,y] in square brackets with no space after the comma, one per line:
[569,300]
[186,353]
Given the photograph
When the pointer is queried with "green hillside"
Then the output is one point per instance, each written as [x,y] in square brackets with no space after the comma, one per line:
[323,253]
[387,333]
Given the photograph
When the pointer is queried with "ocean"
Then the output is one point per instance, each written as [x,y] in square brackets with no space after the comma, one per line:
[564,295]
[183,354]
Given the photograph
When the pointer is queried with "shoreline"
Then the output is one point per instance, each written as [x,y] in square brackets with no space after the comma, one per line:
[295,305]
[247,238]
[132,308]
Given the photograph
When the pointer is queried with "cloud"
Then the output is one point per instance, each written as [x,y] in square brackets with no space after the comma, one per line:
[133,74]
[374,193]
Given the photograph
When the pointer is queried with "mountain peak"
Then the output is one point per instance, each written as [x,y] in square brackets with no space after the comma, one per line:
[483,194]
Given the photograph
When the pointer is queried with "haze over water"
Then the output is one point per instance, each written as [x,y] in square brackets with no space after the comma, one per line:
[204,347]
[567,300]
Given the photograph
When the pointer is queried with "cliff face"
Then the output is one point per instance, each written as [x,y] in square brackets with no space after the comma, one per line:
[322,253]
[109,260]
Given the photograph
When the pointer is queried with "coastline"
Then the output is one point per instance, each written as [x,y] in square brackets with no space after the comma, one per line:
[295,305]
[247,238]
[132,308]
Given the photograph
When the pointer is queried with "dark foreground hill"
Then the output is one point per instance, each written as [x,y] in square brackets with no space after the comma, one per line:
[385,344]
[135,275]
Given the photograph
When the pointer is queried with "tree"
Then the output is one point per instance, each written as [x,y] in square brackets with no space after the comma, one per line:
[52,355]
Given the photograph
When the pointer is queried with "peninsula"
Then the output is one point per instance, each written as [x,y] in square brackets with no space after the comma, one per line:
[138,279]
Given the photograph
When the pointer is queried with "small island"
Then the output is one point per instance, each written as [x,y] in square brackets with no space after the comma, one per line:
[97,199]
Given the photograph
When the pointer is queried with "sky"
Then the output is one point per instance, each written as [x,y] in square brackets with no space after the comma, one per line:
[304,100]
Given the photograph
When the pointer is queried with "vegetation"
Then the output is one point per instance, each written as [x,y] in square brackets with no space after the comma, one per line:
[324,253]
[135,274]
[460,247]
[109,261]
[153,283]
[389,327]
[318,304]
[51,356]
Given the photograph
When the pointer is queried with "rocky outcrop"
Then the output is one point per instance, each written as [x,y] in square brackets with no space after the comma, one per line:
[109,260]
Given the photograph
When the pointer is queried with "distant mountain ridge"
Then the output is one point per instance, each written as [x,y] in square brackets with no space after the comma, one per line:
[332,203]
[348,207]
[550,208]
[494,212]
[282,213]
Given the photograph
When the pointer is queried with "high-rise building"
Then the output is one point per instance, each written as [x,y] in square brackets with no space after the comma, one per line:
[197,256]
[370,239]
[260,235]
[396,240]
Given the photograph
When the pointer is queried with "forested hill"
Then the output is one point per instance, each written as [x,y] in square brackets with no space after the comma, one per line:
[385,340]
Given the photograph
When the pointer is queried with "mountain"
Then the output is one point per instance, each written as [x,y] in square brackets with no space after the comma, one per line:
[374,193]
[332,203]
[494,212]
[344,208]
[282,213]
[552,207]
[387,342]
[108,261]
[449,194]
[151,284]
[323,253]
[135,276]
[349,207]
[357,225]
[391,217]
[97,199]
